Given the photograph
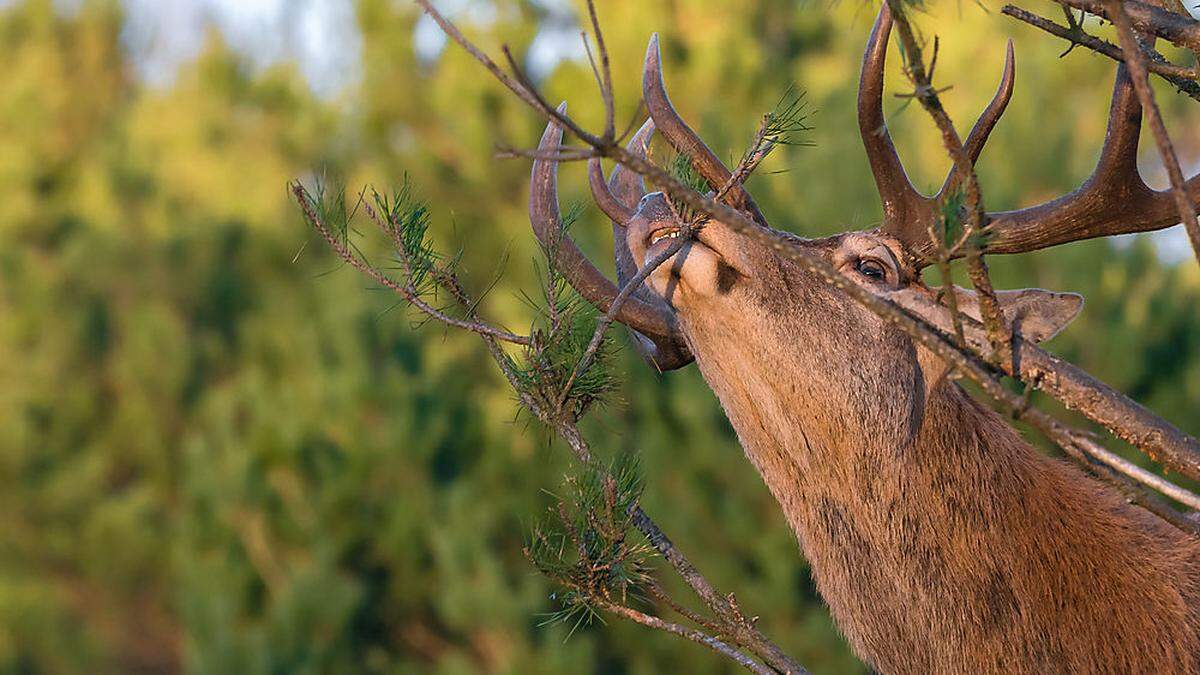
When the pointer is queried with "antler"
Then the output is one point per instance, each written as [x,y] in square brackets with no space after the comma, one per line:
[686,141]
[615,197]
[663,342]
[1113,200]
[906,212]
[618,198]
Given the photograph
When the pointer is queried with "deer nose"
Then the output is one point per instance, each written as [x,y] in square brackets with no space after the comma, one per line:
[653,212]
[654,208]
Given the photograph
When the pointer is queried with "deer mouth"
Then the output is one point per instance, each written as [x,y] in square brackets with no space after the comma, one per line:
[665,237]
[665,233]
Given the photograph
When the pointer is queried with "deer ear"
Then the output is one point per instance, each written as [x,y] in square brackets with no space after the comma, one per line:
[1035,314]
[1039,315]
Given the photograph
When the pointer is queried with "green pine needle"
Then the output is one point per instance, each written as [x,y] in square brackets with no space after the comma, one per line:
[330,205]
[683,170]
[951,223]
[564,327]
[787,123]
[410,220]
[585,543]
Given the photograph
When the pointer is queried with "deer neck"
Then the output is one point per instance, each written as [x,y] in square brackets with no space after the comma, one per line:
[949,544]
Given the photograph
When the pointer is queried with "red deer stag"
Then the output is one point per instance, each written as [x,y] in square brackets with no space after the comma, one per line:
[941,541]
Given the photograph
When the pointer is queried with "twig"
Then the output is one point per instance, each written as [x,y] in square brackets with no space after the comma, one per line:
[523,89]
[775,129]
[964,170]
[605,321]
[759,148]
[942,262]
[563,154]
[695,617]
[1180,77]
[696,636]
[743,633]
[1035,371]
[1151,480]
[999,337]
[606,87]
[1147,18]
[406,291]
[1136,61]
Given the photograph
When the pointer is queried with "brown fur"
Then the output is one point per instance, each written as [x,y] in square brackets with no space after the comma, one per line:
[941,541]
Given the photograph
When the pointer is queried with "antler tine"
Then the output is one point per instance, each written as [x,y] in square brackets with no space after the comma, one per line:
[684,139]
[1113,200]
[987,119]
[1118,156]
[904,209]
[653,322]
[999,103]
[625,184]
[626,188]
[614,208]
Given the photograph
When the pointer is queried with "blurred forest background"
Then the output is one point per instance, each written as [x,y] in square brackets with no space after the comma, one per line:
[220,452]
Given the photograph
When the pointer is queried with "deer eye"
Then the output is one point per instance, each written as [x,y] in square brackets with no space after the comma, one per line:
[871,269]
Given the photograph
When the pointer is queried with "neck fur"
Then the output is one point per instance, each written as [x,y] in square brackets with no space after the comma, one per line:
[961,548]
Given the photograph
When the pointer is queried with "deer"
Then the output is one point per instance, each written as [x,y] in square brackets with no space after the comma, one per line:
[940,540]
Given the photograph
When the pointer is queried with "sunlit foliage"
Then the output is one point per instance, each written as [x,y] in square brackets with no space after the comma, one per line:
[221,451]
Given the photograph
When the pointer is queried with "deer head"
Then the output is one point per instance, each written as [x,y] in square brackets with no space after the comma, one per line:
[723,288]
[723,279]
[833,404]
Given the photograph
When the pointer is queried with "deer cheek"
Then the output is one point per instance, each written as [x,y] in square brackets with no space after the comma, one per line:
[701,272]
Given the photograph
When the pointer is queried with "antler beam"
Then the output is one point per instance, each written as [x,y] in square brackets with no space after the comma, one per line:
[666,344]
[1113,200]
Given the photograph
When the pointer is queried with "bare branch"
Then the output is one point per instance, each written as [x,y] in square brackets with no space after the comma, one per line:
[518,85]
[1182,78]
[964,168]
[777,127]
[718,646]
[1147,18]
[405,290]
[563,154]
[759,148]
[606,86]
[1151,480]
[943,266]
[743,632]
[693,616]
